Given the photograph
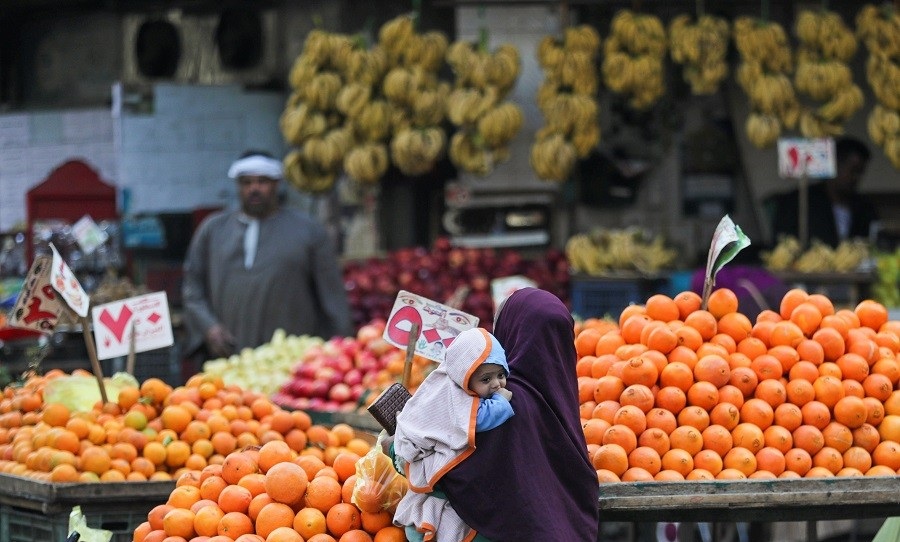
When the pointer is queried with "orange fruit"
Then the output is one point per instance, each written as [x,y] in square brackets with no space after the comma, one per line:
[630,416]
[889,428]
[713,369]
[688,438]
[586,341]
[611,457]
[748,435]
[778,437]
[766,366]
[871,314]
[677,374]
[678,460]
[807,317]
[758,412]
[704,322]
[703,394]
[790,300]
[646,458]
[286,483]
[341,518]
[722,301]
[828,390]
[687,302]
[771,391]
[655,438]
[771,460]
[671,398]
[878,386]
[310,522]
[662,419]
[323,492]
[662,307]
[798,460]
[206,520]
[55,414]
[694,416]
[725,414]
[639,395]
[850,411]
[828,458]
[717,438]
[273,516]
[234,498]
[621,435]
[235,524]
[740,459]
[179,522]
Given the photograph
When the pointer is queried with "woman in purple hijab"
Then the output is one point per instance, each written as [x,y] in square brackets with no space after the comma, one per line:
[531,478]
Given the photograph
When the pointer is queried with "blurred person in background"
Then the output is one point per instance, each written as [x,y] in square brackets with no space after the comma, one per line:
[259,268]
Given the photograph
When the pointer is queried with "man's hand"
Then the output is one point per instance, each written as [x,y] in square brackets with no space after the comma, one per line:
[219,341]
[505,393]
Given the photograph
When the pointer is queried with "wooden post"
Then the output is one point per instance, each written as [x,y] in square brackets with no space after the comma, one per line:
[92,354]
[803,211]
[129,361]
[410,353]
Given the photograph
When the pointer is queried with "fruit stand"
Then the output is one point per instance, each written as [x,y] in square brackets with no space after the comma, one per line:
[751,501]
[33,510]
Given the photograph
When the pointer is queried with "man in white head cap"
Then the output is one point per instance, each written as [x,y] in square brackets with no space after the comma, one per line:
[251,271]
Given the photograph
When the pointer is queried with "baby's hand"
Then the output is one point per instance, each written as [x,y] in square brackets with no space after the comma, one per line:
[505,393]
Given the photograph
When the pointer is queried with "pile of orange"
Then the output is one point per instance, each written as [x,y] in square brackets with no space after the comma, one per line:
[675,391]
[152,432]
[268,493]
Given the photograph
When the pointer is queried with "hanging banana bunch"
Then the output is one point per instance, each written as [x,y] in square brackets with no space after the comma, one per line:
[567,99]
[311,121]
[763,74]
[415,97]
[879,29]
[700,47]
[485,123]
[367,116]
[633,58]
[826,45]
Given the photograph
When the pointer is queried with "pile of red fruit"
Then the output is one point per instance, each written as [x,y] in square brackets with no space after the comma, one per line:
[372,284]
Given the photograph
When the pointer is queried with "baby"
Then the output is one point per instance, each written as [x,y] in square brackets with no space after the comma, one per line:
[436,430]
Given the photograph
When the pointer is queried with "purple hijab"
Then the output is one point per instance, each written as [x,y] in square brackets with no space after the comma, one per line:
[530,478]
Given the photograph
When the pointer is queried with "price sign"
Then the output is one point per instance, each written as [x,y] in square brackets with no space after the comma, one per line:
[147,316]
[438,324]
[88,234]
[811,158]
[63,281]
[503,287]
[38,306]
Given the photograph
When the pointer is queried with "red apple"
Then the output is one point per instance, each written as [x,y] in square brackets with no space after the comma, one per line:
[340,393]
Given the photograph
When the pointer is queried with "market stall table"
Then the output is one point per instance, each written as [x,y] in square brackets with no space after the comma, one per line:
[807,500]
[34,510]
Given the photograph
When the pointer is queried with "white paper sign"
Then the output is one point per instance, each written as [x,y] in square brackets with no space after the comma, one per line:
[63,281]
[503,287]
[812,158]
[438,324]
[149,316]
[88,234]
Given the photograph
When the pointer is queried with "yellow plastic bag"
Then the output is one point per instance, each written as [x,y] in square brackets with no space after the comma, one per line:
[78,523]
[79,393]
[378,485]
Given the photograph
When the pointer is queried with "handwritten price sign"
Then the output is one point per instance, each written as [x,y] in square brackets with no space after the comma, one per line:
[147,315]
[438,324]
[38,306]
[812,158]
